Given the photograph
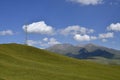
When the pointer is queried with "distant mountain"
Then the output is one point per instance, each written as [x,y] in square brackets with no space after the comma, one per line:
[64,49]
[89,51]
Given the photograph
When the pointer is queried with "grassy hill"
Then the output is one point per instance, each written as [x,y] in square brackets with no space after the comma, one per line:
[20,62]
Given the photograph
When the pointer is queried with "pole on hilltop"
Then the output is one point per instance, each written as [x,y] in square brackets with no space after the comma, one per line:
[26,35]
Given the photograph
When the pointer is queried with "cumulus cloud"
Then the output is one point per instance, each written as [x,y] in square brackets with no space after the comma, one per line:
[79,37]
[32,42]
[104,40]
[39,28]
[114,27]
[93,37]
[6,32]
[45,39]
[106,35]
[85,37]
[46,42]
[53,41]
[72,30]
[87,2]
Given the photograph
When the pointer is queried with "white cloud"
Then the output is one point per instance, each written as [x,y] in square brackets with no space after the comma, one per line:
[93,37]
[85,37]
[46,42]
[104,40]
[45,39]
[32,42]
[53,41]
[72,30]
[106,35]
[79,37]
[87,2]
[114,27]
[39,28]
[6,32]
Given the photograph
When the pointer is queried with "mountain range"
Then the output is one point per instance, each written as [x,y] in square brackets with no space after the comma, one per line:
[88,52]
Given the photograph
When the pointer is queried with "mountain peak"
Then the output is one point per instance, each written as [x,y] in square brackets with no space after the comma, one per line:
[87,45]
[62,46]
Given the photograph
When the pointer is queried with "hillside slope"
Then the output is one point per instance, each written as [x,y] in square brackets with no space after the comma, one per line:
[20,62]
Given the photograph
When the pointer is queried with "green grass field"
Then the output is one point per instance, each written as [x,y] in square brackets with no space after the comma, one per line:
[20,62]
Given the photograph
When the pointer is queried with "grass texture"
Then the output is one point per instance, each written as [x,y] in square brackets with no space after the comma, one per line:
[21,62]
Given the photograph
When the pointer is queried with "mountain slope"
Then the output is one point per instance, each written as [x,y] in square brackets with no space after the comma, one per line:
[89,51]
[64,49]
[20,62]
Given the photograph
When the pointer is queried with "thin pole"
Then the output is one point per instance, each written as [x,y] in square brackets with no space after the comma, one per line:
[26,35]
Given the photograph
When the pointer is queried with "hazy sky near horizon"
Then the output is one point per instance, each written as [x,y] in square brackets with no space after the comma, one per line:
[52,22]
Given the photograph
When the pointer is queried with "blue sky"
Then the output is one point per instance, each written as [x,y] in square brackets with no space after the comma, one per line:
[52,22]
